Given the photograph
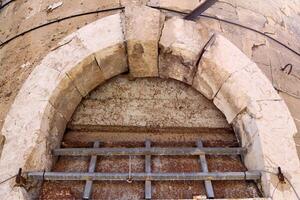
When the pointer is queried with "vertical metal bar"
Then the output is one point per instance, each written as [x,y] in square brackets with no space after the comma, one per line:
[208,185]
[200,9]
[89,184]
[148,170]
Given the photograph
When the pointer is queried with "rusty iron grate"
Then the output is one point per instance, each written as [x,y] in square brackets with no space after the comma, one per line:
[147,176]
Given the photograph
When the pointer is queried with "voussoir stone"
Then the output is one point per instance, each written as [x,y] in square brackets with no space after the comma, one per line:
[220,59]
[142,43]
[86,75]
[180,46]
[243,88]
[178,5]
[269,142]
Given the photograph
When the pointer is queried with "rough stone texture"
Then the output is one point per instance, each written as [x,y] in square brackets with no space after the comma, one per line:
[180,46]
[260,130]
[32,47]
[150,102]
[35,13]
[180,5]
[126,3]
[54,97]
[112,60]
[142,44]
[219,60]
[241,88]
[282,23]
[86,75]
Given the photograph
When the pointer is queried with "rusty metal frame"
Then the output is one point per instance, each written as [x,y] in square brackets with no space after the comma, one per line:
[147,176]
[158,151]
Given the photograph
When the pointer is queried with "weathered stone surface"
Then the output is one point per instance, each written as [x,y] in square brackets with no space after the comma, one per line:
[179,5]
[147,103]
[180,45]
[293,105]
[287,80]
[37,119]
[142,44]
[268,137]
[112,60]
[241,88]
[219,60]
[2,141]
[67,54]
[108,30]
[126,3]
[87,75]
[65,97]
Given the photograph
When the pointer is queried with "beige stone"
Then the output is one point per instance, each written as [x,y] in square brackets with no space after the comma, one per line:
[112,60]
[180,45]
[40,84]
[150,102]
[241,88]
[108,31]
[2,141]
[178,5]
[219,60]
[65,97]
[269,140]
[282,79]
[87,75]
[126,3]
[66,55]
[142,44]
[293,105]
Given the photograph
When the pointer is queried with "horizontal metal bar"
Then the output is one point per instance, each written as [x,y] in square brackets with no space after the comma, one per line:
[253,175]
[146,151]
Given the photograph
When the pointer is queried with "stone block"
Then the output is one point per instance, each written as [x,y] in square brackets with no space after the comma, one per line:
[126,3]
[65,97]
[178,5]
[86,75]
[241,88]
[220,59]
[39,85]
[102,33]
[293,104]
[112,60]
[69,53]
[17,123]
[181,45]
[142,43]
[269,142]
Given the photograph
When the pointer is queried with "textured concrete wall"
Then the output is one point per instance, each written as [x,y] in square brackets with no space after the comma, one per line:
[277,18]
[150,102]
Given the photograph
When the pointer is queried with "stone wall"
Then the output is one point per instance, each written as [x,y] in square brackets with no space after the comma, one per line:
[277,18]
[149,102]
[222,73]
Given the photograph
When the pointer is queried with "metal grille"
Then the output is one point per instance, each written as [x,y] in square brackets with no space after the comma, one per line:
[147,176]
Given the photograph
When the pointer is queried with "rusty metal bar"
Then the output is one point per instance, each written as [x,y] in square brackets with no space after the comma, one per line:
[148,170]
[89,184]
[201,176]
[146,151]
[200,9]
[207,183]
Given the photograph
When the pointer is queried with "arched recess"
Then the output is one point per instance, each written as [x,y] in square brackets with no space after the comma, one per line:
[97,52]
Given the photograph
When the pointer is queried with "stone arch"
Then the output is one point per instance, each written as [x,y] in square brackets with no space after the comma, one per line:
[95,53]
